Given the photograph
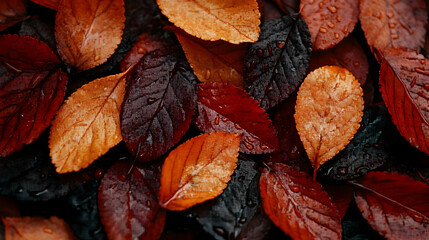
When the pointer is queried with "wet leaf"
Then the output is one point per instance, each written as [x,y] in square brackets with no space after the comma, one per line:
[52,4]
[395,205]
[129,204]
[370,148]
[234,21]
[28,228]
[404,84]
[328,112]
[217,61]
[159,102]
[297,204]
[276,64]
[198,170]
[330,21]
[392,24]
[12,12]
[347,54]
[229,215]
[32,88]
[223,107]
[87,125]
[88,33]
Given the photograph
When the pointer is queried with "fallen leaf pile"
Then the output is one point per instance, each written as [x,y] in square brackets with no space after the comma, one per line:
[214,119]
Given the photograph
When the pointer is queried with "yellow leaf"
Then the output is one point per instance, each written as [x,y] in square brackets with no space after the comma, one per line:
[87,125]
[328,111]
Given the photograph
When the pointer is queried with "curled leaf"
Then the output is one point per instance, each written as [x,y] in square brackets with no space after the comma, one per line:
[234,21]
[404,84]
[392,24]
[198,170]
[88,32]
[329,21]
[32,87]
[223,107]
[395,205]
[297,204]
[87,125]
[328,112]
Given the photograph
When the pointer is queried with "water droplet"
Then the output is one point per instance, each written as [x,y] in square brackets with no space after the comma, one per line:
[423,61]
[208,74]
[224,119]
[356,64]
[241,179]
[248,145]
[260,53]
[281,45]
[338,18]
[332,9]
[250,203]
[99,173]
[361,170]
[148,203]
[294,153]
[379,155]
[42,175]
[113,186]
[147,193]
[219,231]
[413,82]
[216,120]
[390,14]
[311,1]
[422,71]
[122,177]
[337,35]
[321,4]
[96,58]
[237,126]
[331,25]
[426,86]
[242,220]
[140,50]
[392,25]
[263,147]
[377,145]
[370,217]
[151,100]
[417,217]
[294,189]
[347,60]
[48,230]
[342,171]
[323,30]
[394,36]
[20,190]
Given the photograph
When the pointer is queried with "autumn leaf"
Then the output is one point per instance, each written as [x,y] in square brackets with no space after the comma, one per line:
[235,21]
[395,205]
[129,203]
[347,54]
[223,107]
[29,228]
[88,32]
[87,125]
[217,61]
[328,112]
[329,21]
[297,204]
[12,12]
[404,84]
[32,87]
[52,4]
[198,170]
[392,24]
[159,103]
[276,64]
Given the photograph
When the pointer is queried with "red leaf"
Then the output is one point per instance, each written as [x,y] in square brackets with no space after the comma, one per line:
[31,90]
[298,204]
[404,84]
[347,54]
[128,205]
[224,107]
[341,195]
[159,103]
[329,21]
[395,205]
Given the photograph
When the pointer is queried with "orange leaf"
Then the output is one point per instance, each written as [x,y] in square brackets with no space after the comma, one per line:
[87,125]
[328,111]
[29,228]
[88,32]
[198,170]
[214,61]
[234,21]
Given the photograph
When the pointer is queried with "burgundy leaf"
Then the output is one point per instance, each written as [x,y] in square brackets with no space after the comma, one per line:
[395,205]
[129,203]
[276,64]
[32,87]
[341,195]
[224,107]
[298,204]
[159,102]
